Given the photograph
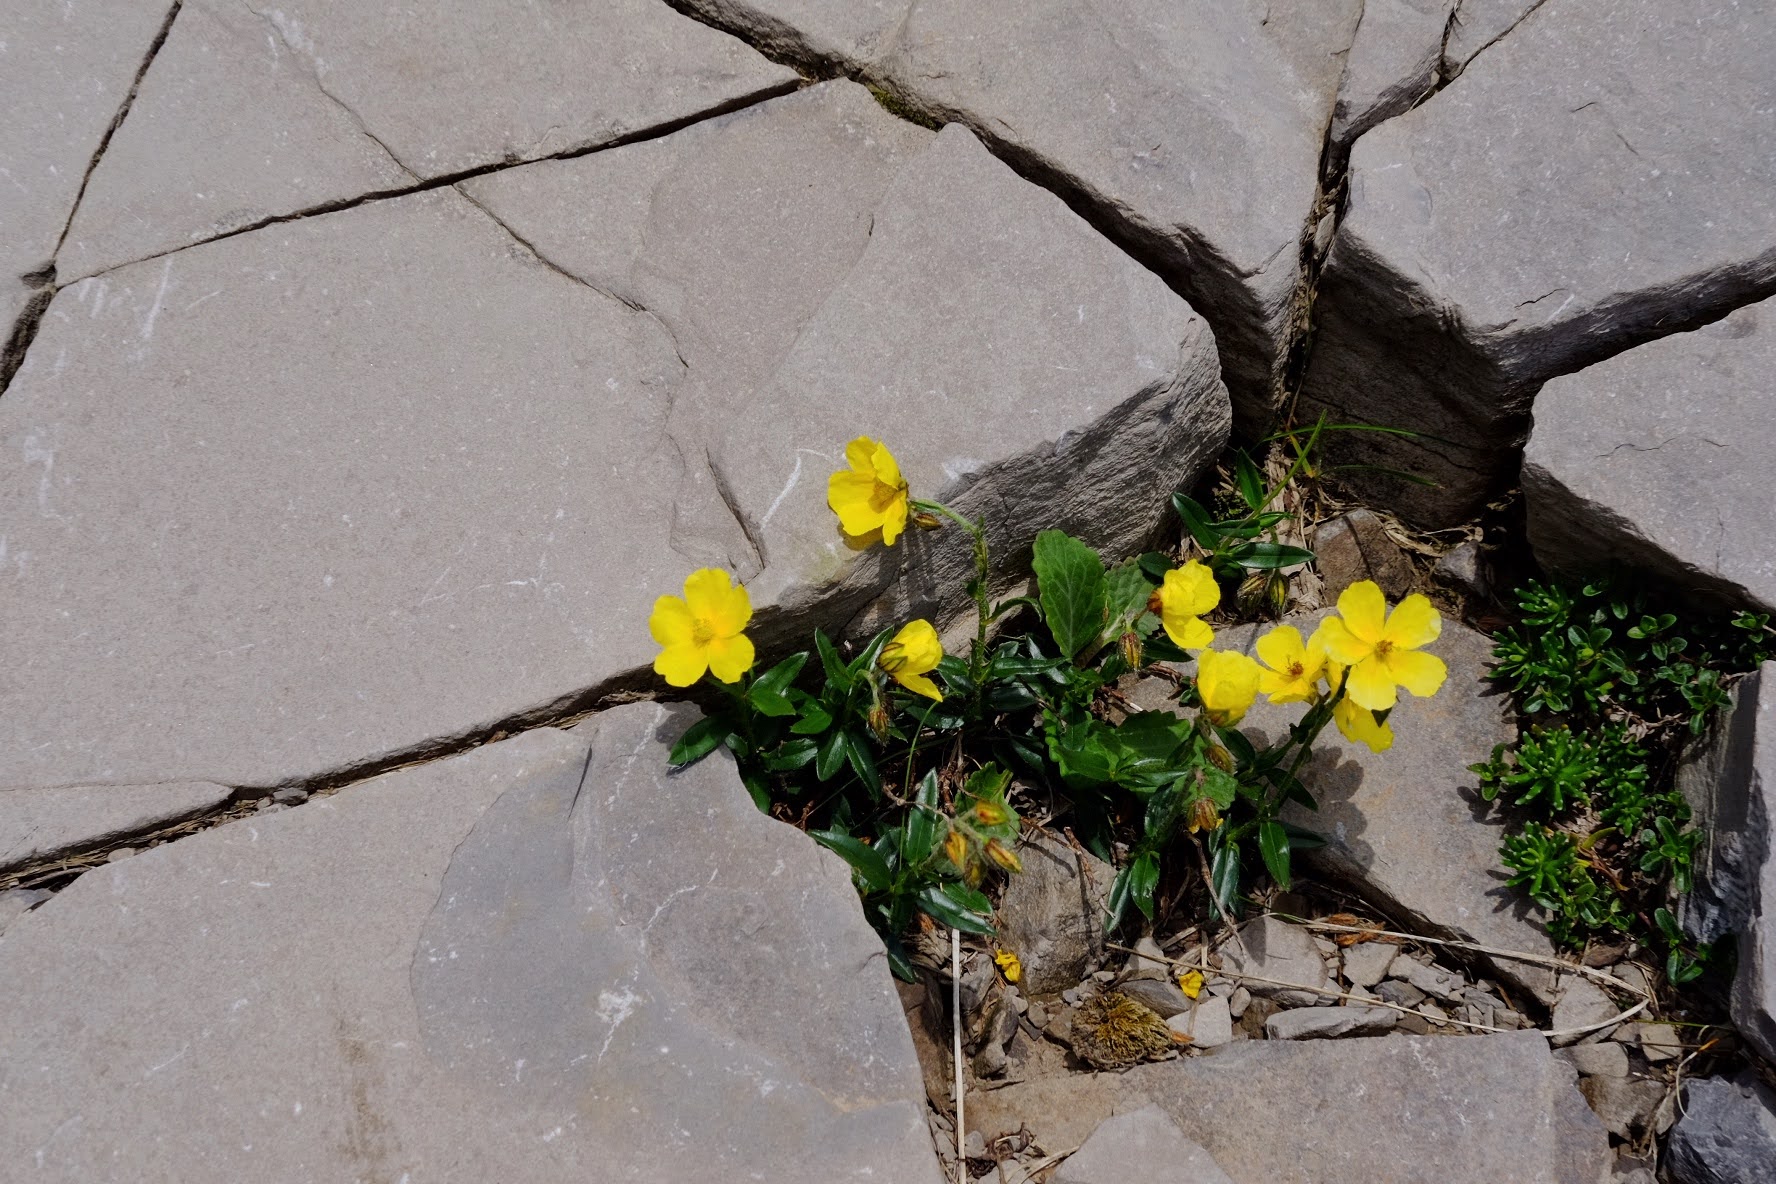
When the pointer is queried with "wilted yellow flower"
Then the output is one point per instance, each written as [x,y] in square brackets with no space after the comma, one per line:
[913,653]
[1294,665]
[872,496]
[1203,815]
[1191,983]
[702,630]
[1227,682]
[1380,648]
[1187,593]
[1004,856]
[1008,965]
[990,813]
[955,848]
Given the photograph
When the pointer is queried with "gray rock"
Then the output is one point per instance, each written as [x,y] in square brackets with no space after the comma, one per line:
[1141,1145]
[1280,953]
[1393,64]
[69,69]
[1239,1001]
[1471,1111]
[1444,306]
[1404,827]
[40,824]
[1356,546]
[1208,1025]
[1659,1043]
[248,115]
[1656,458]
[1432,980]
[1607,1059]
[1581,1005]
[974,1146]
[1479,24]
[1624,1105]
[1192,131]
[1326,1023]
[1148,961]
[16,902]
[1404,994]
[1729,781]
[176,579]
[1463,569]
[1727,1134]
[1162,996]
[536,980]
[1052,913]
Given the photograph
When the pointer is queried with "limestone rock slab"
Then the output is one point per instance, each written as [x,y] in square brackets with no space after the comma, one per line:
[1478,24]
[65,71]
[1141,1145]
[1395,61]
[1727,1134]
[249,113]
[1468,1110]
[367,484]
[1658,458]
[43,823]
[1192,131]
[560,962]
[1598,178]
[1052,916]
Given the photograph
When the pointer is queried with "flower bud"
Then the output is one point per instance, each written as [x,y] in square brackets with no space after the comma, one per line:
[955,848]
[1203,815]
[878,721]
[1131,649]
[1004,856]
[990,813]
[926,521]
[1220,758]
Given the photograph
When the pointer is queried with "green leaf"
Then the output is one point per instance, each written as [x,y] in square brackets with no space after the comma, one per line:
[1219,787]
[863,761]
[1269,556]
[1224,873]
[1155,564]
[767,692]
[1126,592]
[922,822]
[1197,521]
[1273,844]
[837,675]
[792,755]
[865,860]
[831,754]
[758,791]
[1070,583]
[942,905]
[1159,648]
[1143,881]
[1117,904]
[815,720]
[700,739]
[1251,485]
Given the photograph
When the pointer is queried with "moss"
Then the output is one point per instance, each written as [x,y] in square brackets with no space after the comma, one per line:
[901,109]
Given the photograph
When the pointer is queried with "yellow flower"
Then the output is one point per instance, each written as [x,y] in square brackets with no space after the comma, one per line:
[1004,856]
[1359,724]
[1294,666]
[1187,593]
[1008,965]
[1203,815]
[955,847]
[873,495]
[702,631]
[913,653]
[1191,983]
[1381,648]
[1227,682]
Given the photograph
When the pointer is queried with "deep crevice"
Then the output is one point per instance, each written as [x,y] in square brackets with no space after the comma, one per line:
[24,330]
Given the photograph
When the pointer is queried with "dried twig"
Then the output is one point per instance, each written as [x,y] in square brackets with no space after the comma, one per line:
[956,1032]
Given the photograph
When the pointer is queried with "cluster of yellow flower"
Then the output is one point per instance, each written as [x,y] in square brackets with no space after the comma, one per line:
[1365,652]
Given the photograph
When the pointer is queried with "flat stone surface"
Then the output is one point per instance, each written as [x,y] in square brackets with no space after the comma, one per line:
[1272,949]
[43,823]
[1192,130]
[1330,1023]
[1477,25]
[314,484]
[65,70]
[1356,546]
[1052,914]
[247,115]
[1141,1145]
[1393,64]
[1367,962]
[1657,458]
[1727,1134]
[1581,1004]
[1406,828]
[539,980]
[1606,1059]
[1468,1110]
[1485,247]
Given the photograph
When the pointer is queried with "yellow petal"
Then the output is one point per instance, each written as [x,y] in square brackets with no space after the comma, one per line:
[1420,673]
[1413,623]
[681,665]
[1340,644]
[1191,983]
[919,685]
[1190,590]
[716,603]
[1281,648]
[671,622]
[860,454]
[916,649]
[1370,685]
[1362,727]
[1188,633]
[1364,610]
[848,494]
[730,657]
[883,464]
[894,520]
[1227,682]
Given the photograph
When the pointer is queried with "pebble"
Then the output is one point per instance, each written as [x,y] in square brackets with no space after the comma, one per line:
[1210,1025]
[975,1145]
[1433,1012]
[1432,980]
[1636,978]
[1071,996]
[290,796]
[1582,1005]
[120,853]
[1404,994]
[1037,1014]
[1147,962]
[1324,1023]
[1367,963]
[1597,1060]
[1659,1042]
[1506,1018]
[1238,1002]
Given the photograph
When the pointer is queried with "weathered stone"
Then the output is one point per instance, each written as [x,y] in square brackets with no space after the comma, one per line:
[1366,963]
[1659,1042]
[1607,1059]
[1727,1134]
[1624,1105]
[1148,961]
[1328,1023]
[1471,1111]
[1658,458]
[1053,913]
[1207,1025]
[1432,980]
[242,545]
[1478,24]
[1482,249]
[16,902]
[1141,1145]
[1162,996]
[537,980]
[1278,956]
[1192,131]
[1463,568]
[1581,1007]
[1393,63]
[1405,828]
[247,116]
[40,824]
[1404,994]
[1729,780]
[1356,546]
[69,68]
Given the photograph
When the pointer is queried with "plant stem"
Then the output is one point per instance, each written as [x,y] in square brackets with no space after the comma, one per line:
[977,659]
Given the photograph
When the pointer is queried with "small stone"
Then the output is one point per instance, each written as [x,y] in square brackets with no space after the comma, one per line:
[1103,976]
[1582,1005]
[1356,546]
[1506,1018]
[1281,953]
[1360,996]
[273,808]
[1633,976]
[1367,963]
[1727,1134]
[1624,1105]
[1434,1013]
[1325,1023]
[1461,568]
[1659,1042]
[1432,980]
[1037,1014]
[1413,1024]
[120,853]
[1162,996]
[290,796]
[1148,961]
[1404,994]
[1238,1002]
[1071,996]
[1597,1060]
[1209,1025]
[975,1145]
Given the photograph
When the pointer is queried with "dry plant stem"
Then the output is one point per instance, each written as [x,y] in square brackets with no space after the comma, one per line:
[1202,858]
[1608,980]
[956,1049]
